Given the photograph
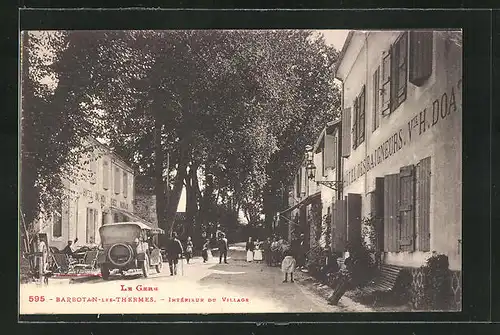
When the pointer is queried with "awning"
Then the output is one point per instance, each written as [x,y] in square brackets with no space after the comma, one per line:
[304,202]
[132,217]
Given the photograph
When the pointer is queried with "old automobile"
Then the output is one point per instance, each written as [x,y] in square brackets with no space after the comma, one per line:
[128,247]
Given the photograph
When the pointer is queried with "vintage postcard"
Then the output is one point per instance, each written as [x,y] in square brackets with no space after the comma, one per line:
[240,171]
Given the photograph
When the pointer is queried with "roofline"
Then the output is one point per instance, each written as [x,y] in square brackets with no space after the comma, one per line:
[113,155]
[342,53]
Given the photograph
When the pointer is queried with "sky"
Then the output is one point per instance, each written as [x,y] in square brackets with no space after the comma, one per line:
[335,37]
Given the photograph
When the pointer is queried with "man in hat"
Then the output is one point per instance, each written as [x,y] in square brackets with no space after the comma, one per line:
[223,247]
[174,252]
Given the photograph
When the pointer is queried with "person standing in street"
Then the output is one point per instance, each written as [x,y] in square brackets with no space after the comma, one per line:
[223,247]
[174,252]
[250,247]
[205,249]
[43,250]
[189,249]
[288,266]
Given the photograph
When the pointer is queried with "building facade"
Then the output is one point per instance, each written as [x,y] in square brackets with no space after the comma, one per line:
[394,160]
[402,147]
[99,191]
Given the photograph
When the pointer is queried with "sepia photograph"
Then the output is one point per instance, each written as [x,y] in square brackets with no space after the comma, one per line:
[240,171]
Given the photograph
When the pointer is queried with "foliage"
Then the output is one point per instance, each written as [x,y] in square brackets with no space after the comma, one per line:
[436,292]
[368,233]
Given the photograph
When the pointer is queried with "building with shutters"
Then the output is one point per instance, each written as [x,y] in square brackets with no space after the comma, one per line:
[312,200]
[402,140]
[100,190]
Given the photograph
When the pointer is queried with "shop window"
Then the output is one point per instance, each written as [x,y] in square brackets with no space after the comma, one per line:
[91,225]
[57,220]
[358,130]
[420,57]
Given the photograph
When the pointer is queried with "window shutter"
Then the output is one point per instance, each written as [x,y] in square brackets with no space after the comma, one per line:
[361,118]
[423,176]
[339,230]
[378,209]
[335,151]
[420,56]
[93,168]
[399,71]
[346,132]
[376,98]
[298,183]
[125,184]
[354,129]
[385,92]
[407,208]
[391,212]
[105,175]
[117,180]
[354,220]
[329,151]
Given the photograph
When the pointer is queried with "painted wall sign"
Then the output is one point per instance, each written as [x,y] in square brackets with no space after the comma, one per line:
[442,107]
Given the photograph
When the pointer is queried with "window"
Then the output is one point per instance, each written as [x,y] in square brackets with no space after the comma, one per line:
[399,71]
[406,208]
[93,168]
[57,220]
[125,184]
[91,222]
[358,129]
[105,174]
[420,57]
[117,180]
[346,132]
[376,98]
[299,183]
[330,152]
[394,75]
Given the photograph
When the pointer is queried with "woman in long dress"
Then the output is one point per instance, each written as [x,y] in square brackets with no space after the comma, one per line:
[257,254]
[250,247]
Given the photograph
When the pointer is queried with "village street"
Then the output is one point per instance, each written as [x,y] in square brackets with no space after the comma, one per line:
[236,287]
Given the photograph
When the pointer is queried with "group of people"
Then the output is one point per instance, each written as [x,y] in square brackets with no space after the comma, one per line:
[275,251]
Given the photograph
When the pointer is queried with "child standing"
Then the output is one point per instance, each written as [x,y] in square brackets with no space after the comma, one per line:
[288,266]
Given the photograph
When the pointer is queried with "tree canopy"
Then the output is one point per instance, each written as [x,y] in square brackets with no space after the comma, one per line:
[231,110]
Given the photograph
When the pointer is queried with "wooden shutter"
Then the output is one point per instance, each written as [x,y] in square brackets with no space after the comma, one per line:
[105,174]
[335,153]
[90,224]
[376,98]
[329,151]
[346,132]
[339,230]
[391,212]
[423,176]
[298,183]
[304,225]
[399,71]
[355,121]
[354,220]
[93,168]
[407,208]
[361,116]
[420,64]
[303,178]
[377,209]
[125,184]
[385,92]
[117,180]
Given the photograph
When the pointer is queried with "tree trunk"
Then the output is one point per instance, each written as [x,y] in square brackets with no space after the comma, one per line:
[191,201]
[159,183]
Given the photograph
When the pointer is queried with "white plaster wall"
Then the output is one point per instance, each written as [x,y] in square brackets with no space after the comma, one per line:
[442,141]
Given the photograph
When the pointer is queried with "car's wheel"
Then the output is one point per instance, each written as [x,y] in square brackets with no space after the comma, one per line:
[159,266]
[145,267]
[104,272]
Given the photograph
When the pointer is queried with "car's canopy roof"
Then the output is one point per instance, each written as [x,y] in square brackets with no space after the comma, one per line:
[139,224]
